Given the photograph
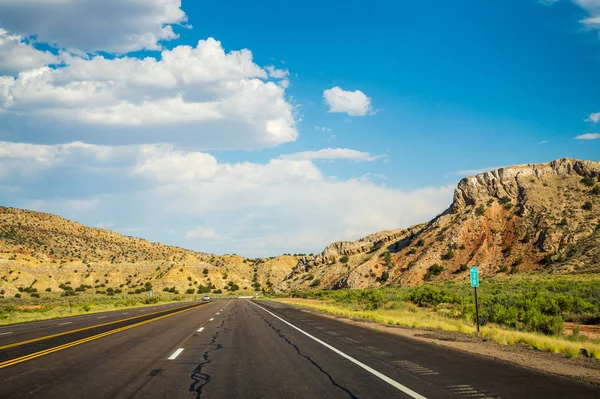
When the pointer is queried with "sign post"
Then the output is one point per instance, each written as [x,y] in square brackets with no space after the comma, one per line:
[475,283]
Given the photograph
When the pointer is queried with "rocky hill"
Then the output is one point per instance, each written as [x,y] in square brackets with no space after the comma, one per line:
[511,220]
[47,251]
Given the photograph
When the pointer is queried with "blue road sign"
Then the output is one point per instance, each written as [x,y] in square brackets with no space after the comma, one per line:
[474,276]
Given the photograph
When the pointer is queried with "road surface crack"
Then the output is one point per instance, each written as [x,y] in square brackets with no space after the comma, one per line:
[200,378]
[333,382]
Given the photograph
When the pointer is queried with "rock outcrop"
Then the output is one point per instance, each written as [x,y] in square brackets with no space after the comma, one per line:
[510,220]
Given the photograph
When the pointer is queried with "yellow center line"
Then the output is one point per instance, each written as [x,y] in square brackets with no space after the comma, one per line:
[29,341]
[31,356]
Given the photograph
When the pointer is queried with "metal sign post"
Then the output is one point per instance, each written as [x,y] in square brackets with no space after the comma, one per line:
[475,283]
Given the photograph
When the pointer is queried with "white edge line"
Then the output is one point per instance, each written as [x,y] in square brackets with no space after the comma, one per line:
[200,329]
[218,313]
[175,354]
[376,373]
[64,324]
[211,319]
[6,333]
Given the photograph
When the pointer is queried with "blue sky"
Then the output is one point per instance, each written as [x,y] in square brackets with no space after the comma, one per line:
[285,128]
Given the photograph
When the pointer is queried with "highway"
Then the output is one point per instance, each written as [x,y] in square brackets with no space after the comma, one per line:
[237,348]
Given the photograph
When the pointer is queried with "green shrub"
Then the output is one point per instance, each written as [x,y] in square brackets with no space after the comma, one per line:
[385,276]
[17,295]
[205,271]
[429,296]
[344,259]
[190,291]
[464,267]
[315,283]
[420,243]
[433,271]
[596,189]
[588,181]
[449,255]
[503,269]
[480,210]
[587,206]
[48,289]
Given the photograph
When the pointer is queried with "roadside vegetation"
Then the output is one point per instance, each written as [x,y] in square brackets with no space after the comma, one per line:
[21,309]
[523,309]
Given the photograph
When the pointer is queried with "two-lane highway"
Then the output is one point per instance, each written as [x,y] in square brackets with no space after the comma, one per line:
[245,349]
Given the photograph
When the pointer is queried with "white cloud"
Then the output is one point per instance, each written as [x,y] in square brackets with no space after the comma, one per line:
[277,73]
[333,153]
[588,136]
[118,26]
[323,129]
[201,232]
[304,210]
[17,56]
[593,117]
[544,142]
[204,95]
[165,164]
[354,103]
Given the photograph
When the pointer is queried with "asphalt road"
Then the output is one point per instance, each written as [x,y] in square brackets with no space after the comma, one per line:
[243,349]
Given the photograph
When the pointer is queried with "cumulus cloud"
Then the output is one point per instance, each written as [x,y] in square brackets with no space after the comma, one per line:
[354,103]
[593,117]
[17,55]
[165,164]
[304,210]
[588,136]
[204,95]
[277,73]
[332,154]
[118,26]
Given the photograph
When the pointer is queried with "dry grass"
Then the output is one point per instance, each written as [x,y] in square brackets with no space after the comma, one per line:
[60,308]
[409,315]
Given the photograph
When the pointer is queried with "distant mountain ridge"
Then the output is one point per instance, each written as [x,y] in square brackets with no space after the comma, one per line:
[510,220]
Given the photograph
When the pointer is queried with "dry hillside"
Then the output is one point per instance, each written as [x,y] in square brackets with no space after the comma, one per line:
[511,220]
[47,251]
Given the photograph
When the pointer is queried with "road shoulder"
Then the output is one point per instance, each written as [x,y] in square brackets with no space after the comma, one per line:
[581,369]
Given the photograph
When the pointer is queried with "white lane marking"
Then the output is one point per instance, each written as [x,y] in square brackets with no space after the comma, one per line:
[211,319]
[6,333]
[218,313]
[142,310]
[102,317]
[376,373]
[200,329]
[64,324]
[175,354]
[126,313]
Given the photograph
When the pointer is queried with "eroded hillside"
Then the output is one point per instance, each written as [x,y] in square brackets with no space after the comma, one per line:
[47,251]
[511,220]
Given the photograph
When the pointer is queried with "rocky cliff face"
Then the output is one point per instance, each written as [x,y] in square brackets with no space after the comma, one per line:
[511,220]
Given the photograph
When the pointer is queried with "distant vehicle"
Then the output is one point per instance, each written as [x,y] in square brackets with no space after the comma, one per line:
[205,298]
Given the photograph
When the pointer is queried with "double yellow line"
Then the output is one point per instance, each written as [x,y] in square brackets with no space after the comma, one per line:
[21,359]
